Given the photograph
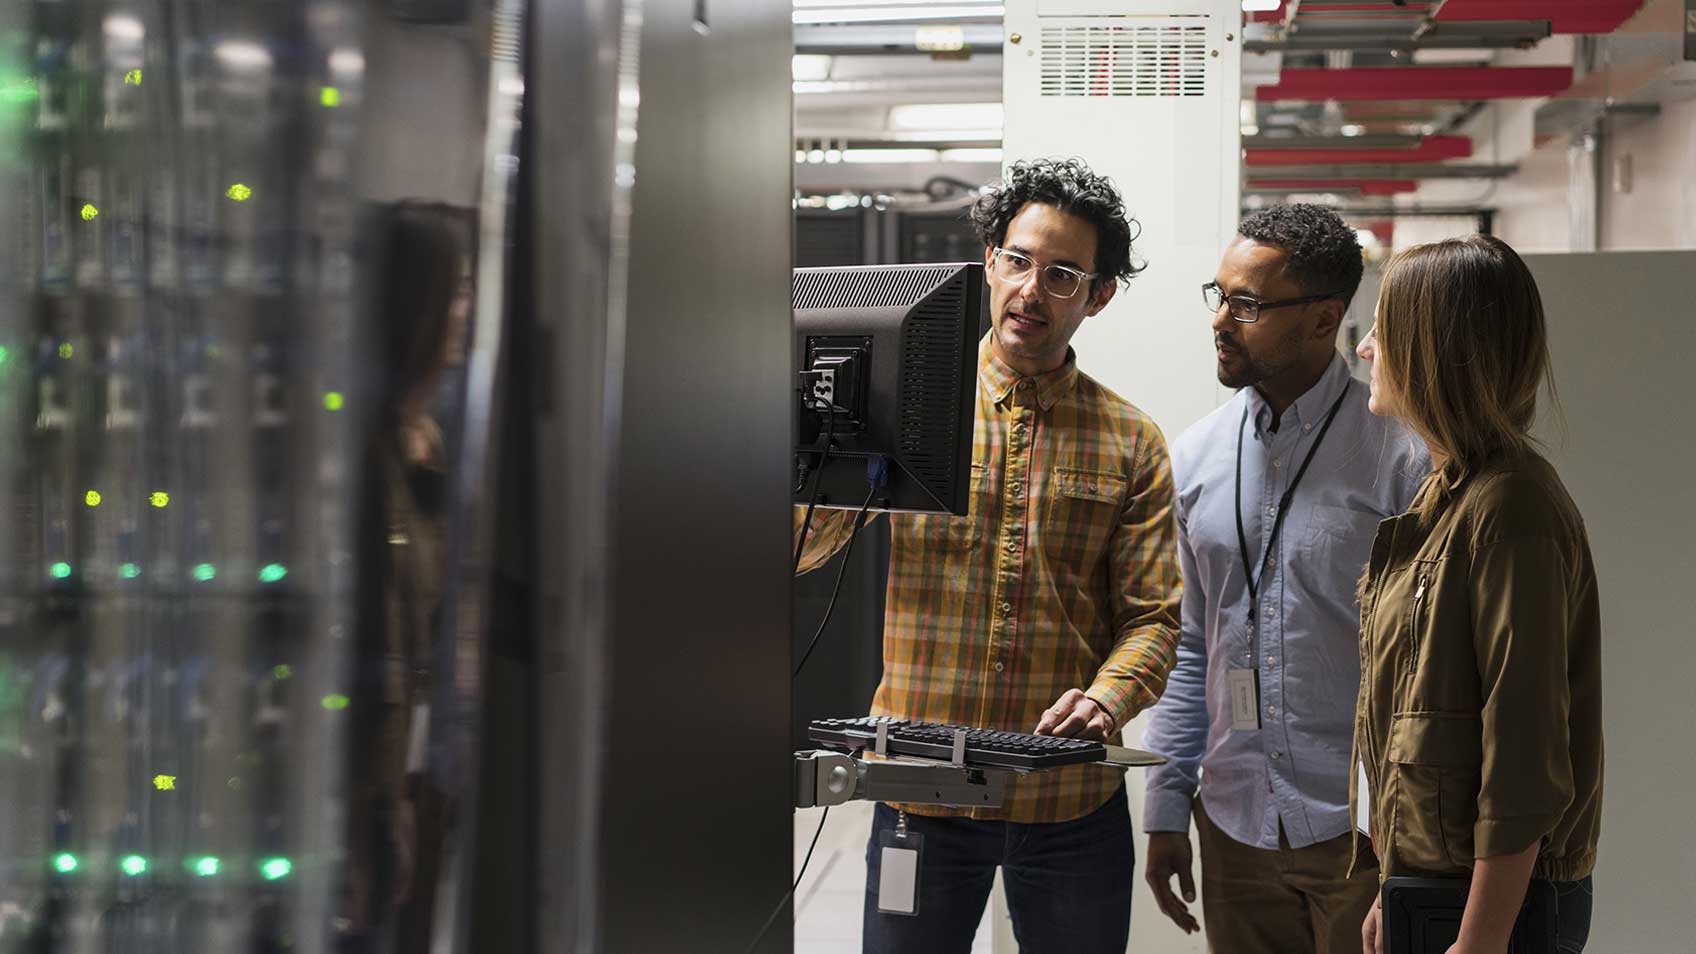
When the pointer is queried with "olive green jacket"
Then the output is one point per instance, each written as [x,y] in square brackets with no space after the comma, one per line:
[1479,720]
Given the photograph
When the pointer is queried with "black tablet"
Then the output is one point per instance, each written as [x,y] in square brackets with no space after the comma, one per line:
[1422,916]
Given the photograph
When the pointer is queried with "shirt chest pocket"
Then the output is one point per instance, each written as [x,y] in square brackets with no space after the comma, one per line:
[1335,547]
[1083,510]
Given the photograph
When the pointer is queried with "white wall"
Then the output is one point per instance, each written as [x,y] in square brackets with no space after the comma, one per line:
[1626,458]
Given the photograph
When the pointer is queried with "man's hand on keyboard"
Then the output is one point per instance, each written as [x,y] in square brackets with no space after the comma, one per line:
[1076,716]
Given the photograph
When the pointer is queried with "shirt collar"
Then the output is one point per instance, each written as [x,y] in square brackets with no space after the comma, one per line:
[999,381]
[1311,407]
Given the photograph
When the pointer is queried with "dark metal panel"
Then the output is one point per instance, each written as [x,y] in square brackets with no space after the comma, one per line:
[662,397]
[700,533]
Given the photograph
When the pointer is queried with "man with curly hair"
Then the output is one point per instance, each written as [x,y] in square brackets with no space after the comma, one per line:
[1279,495]
[1051,608]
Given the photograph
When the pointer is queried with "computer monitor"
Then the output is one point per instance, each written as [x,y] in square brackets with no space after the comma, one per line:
[892,351]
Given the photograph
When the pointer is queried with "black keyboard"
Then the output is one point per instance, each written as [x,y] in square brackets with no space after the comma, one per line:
[987,748]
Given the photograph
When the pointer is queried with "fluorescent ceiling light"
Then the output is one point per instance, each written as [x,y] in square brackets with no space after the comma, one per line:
[939,39]
[953,135]
[1353,130]
[869,156]
[971,155]
[903,13]
[809,67]
[1260,6]
[946,116]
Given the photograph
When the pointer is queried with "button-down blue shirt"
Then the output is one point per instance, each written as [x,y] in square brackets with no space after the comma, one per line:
[1295,768]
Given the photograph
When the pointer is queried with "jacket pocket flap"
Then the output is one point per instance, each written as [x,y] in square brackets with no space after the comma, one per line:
[1437,738]
[1089,485]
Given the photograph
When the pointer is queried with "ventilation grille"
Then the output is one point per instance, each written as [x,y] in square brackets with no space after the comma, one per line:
[1124,61]
[869,288]
[931,344]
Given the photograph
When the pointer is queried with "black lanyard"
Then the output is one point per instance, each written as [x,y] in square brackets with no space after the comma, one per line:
[1254,580]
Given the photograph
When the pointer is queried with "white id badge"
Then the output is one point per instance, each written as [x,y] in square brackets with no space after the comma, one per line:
[1363,801]
[898,872]
[1245,700]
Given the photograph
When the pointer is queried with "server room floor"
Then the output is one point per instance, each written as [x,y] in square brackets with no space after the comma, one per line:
[831,900]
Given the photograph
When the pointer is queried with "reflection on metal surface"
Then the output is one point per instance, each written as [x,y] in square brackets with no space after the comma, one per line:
[215,684]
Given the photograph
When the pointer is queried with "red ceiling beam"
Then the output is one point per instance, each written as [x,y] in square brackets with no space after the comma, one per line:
[1363,186]
[1417,82]
[1564,16]
[1430,149]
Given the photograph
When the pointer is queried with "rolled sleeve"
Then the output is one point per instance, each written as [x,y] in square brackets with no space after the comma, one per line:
[1520,623]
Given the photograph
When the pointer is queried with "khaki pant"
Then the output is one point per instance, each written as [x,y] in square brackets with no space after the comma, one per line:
[1283,901]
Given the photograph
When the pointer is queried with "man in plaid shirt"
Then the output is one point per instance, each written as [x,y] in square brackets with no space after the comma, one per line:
[1051,608]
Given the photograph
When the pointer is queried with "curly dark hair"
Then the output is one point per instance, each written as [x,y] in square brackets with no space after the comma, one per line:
[1070,186]
[1323,252]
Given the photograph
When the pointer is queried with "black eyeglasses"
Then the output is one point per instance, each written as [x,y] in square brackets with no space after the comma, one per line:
[1247,310]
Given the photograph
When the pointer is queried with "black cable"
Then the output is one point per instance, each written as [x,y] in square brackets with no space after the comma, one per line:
[792,888]
[824,457]
[848,551]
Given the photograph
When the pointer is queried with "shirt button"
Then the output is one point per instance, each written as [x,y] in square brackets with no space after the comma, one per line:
[999,667]
[1006,607]
[1277,755]
[1016,488]
[1306,427]
[1271,660]
[1271,612]
[1025,385]
[1012,545]
[1271,710]
[1277,462]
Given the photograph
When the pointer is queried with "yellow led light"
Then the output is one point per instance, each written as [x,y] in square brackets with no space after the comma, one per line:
[165,783]
[239,192]
[160,499]
[89,212]
[132,78]
[92,498]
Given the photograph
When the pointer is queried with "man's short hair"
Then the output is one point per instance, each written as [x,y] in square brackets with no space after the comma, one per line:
[1323,252]
[1070,186]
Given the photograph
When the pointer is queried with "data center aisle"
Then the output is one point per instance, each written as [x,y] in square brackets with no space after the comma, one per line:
[830,902]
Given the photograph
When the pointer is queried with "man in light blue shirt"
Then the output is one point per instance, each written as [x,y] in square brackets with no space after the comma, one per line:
[1279,495]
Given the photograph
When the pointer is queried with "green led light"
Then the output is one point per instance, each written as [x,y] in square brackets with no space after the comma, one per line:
[133,865]
[66,350]
[19,91]
[333,400]
[89,212]
[60,570]
[129,571]
[4,354]
[92,498]
[205,866]
[132,78]
[239,192]
[64,862]
[205,572]
[160,499]
[282,671]
[334,702]
[272,572]
[275,868]
[330,97]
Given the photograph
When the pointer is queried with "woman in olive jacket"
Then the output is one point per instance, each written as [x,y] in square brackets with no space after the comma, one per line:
[1479,717]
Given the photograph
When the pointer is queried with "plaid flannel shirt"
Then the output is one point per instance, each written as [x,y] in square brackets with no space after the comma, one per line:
[1064,575]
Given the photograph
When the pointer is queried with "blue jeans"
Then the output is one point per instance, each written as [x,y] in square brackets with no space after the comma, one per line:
[1572,915]
[1068,883]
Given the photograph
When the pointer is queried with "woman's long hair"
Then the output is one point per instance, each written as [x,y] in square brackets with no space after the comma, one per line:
[1463,351]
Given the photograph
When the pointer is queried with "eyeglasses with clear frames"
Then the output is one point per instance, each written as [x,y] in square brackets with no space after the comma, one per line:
[1247,310]
[1056,281]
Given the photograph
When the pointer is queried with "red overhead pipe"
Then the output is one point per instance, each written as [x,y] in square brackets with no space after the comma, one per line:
[1363,186]
[1419,82]
[1430,149]
[1564,16]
